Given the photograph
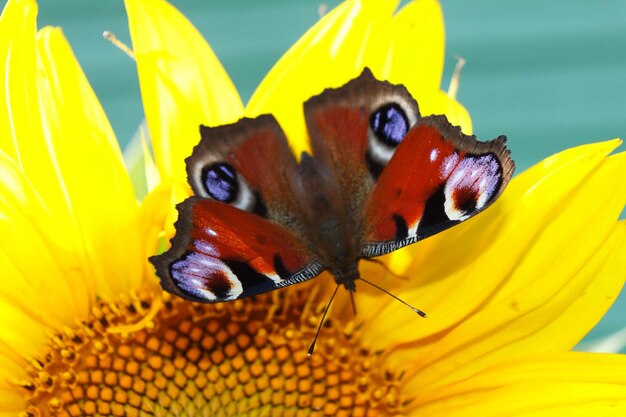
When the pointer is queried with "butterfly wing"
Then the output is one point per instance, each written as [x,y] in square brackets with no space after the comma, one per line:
[221,253]
[242,234]
[437,178]
[248,165]
[403,177]
[355,130]
[381,177]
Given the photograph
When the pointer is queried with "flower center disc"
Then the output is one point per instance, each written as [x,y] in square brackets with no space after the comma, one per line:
[240,358]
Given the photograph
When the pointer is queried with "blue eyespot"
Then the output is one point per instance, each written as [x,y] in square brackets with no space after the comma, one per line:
[389,124]
[220,181]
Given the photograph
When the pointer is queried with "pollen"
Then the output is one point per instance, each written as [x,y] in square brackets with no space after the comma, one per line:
[162,356]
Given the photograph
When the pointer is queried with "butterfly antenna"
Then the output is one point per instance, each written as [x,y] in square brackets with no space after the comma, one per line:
[310,352]
[417,310]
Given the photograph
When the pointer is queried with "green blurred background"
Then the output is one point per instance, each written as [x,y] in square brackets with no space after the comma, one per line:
[548,74]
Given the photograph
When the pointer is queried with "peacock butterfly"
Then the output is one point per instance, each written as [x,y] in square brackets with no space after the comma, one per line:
[380,177]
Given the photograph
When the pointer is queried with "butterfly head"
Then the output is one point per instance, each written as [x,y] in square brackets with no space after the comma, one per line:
[346,275]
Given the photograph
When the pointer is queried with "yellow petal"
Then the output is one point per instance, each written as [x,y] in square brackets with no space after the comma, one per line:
[417,47]
[305,70]
[18,69]
[22,337]
[151,172]
[158,216]
[405,48]
[554,384]
[416,60]
[97,188]
[551,314]
[441,103]
[21,132]
[39,268]
[139,161]
[453,273]
[182,82]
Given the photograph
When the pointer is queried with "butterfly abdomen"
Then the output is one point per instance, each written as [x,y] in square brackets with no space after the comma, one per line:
[346,275]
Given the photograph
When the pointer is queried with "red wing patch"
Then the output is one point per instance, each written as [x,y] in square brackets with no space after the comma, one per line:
[221,253]
[437,178]
[338,121]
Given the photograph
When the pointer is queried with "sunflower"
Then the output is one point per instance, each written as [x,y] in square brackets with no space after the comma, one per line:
[86,330]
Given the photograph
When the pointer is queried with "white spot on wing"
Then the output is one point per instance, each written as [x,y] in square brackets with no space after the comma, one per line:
[434,154]
[206,248]
[273,277]
[448,165]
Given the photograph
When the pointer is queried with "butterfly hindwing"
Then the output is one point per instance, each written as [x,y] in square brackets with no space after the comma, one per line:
[437,178]
[221,253]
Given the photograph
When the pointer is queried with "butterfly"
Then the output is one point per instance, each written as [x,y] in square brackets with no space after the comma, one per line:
[380,177]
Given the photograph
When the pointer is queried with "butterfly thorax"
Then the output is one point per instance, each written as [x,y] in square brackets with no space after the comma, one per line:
[331,229]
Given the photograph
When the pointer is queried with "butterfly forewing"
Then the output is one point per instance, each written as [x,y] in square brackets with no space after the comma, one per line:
[437,178]
[248,165]
[221,253]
